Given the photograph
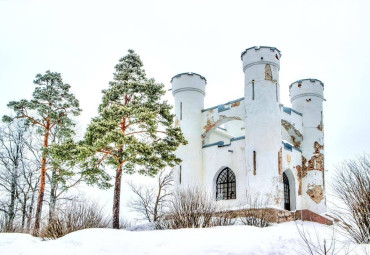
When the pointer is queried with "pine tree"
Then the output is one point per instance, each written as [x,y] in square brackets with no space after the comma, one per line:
[51,107]
[134,131]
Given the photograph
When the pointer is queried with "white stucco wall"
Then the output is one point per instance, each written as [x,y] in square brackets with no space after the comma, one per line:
[219,135]
[189,91]
[217,158]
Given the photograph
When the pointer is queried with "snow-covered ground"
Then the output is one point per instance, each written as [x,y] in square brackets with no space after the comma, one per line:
[277,239]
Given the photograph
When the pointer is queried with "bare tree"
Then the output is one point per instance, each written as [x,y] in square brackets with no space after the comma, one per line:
[316,244]
[150,201]
[19,161]
[352,187]
[12,144]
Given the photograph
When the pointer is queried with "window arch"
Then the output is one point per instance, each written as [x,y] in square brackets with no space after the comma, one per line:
[226,185]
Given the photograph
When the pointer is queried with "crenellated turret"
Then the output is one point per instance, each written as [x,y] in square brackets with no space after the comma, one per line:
[263,121]
[307,98]
[189,91]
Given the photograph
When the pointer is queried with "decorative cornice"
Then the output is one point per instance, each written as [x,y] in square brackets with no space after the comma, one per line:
[188,89]
[307,95]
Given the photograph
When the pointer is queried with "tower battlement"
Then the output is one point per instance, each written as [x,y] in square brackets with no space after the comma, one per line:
[261,55]
[190,74]
[188,82]
[306,88]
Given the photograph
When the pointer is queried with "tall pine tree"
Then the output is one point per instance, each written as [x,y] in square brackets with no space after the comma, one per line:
[134,131]
[51,107]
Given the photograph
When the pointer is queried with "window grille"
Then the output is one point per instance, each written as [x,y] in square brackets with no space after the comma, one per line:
[286,192]
[226,185]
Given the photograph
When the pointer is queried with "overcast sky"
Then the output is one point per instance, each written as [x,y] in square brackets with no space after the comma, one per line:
[83,40]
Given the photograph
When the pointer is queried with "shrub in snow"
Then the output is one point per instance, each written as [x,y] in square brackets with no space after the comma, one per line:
[76,216]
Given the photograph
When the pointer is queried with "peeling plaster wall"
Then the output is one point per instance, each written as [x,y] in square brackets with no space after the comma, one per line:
[307,98]
[292,160]
[293,117]
[221,114]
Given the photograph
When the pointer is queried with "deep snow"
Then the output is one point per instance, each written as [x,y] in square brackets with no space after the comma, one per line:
[277,239]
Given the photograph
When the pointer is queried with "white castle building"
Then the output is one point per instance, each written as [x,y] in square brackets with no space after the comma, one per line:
[254,145]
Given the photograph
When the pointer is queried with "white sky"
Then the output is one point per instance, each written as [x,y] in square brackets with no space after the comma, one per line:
[328,40]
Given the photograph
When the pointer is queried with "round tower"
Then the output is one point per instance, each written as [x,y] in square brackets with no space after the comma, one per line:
[263,138]
[189,91]
[307,98]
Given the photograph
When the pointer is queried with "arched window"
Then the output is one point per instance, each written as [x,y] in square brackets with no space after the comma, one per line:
[226,185]
[286,192]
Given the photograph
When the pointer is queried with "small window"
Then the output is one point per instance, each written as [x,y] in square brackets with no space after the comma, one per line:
[180,174]
[254,163]
[253,90]
[277,94]
[180,110]
[226,185]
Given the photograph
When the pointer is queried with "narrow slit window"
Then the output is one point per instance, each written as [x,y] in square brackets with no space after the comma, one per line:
[180,110]
[180,174]
[276,89]
[254,163]
[253,90]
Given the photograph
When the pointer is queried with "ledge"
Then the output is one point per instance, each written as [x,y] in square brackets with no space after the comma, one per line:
[289,147]
[222,144]
[221,107]
[290,110]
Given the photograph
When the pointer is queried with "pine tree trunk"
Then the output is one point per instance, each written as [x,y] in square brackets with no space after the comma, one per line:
[40,199]
[117,197]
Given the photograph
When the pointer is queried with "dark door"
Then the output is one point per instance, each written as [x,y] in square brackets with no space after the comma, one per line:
[286,192]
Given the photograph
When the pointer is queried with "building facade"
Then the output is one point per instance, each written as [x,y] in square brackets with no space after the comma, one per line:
[254,146]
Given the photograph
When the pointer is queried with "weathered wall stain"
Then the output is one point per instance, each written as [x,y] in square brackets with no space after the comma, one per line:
[296,136]
[268,73]
[280,161]
[236,104]
[296,144]
[210,124]
[315,192]
[299,175]
[316,162]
